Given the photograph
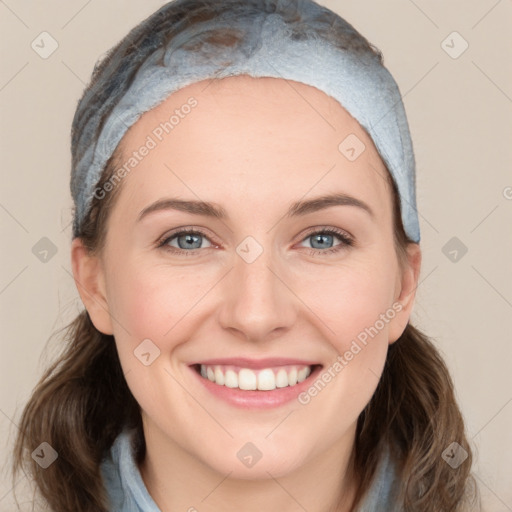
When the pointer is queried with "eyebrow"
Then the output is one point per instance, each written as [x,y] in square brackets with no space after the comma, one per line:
[296,209]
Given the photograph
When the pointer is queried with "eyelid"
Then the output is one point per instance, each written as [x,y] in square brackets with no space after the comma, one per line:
[328,229]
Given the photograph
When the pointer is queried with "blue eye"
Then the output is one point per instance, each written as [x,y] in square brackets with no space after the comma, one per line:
[189,241]
[323,236]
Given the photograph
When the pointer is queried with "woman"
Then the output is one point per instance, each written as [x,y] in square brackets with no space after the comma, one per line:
[221,363]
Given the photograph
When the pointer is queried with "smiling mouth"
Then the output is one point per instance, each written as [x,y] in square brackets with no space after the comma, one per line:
[247,379]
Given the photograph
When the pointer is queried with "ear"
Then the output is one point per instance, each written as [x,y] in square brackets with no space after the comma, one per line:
[407,284]
[89,279]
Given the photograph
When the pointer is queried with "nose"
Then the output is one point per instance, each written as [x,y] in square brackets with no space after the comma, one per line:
[258,304]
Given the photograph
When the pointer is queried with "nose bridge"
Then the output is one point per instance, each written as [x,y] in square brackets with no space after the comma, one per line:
[256,300]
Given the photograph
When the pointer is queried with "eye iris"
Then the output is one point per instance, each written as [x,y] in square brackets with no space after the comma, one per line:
[189,240]
[323,237]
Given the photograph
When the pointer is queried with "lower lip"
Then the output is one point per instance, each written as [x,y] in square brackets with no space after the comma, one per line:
[257,399]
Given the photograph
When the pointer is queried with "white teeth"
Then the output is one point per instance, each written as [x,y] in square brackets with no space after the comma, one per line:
[247,379]
[219,376]
[231,379]
[302,374]
[281,378]
[292,377]
[266,379]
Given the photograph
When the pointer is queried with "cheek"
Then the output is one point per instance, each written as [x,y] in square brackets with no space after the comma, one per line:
[156,302]
[345,305]
[350,301]
[153,304]
[354,311]
[149,301]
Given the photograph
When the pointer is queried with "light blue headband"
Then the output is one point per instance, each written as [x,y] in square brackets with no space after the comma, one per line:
[268,48]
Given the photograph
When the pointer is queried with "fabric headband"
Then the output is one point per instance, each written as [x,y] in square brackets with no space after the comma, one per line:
[267,45]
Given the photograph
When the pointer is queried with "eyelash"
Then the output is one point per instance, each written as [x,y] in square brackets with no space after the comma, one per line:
[346,240]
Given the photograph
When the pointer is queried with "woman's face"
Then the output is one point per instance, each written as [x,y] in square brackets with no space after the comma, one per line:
[263,281]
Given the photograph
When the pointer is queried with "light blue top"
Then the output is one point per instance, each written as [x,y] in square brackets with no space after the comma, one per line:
[128,493]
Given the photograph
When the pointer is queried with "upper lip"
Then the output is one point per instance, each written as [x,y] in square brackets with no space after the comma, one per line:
[257,363]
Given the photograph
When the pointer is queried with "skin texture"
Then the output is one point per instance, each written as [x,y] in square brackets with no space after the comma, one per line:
[252,146]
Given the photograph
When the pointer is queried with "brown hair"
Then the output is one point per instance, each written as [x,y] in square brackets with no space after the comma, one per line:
[82,402]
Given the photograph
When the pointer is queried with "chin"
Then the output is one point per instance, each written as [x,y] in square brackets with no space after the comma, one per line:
[248,464]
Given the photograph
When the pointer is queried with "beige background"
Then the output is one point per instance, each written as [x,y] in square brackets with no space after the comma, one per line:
[460,114]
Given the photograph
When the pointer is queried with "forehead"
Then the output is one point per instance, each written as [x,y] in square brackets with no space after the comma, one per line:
[262,134]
